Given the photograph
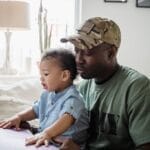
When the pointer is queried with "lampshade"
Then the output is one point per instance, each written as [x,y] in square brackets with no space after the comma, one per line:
[14,15]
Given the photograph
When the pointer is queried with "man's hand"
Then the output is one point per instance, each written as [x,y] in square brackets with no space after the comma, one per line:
[67,144]
[144,147]
[13,122]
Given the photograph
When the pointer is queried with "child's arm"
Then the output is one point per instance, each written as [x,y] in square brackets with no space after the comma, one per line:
[60,126]
[16,120]
[27,115]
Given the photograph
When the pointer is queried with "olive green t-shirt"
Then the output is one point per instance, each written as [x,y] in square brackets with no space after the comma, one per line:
[119,111]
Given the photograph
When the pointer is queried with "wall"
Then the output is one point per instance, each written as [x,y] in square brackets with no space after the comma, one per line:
[135,26]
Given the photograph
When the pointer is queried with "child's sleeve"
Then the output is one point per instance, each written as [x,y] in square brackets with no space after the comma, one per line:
[37,104]
[36,108]
[72,106]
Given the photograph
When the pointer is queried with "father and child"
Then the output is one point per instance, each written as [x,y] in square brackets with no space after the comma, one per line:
[117,97]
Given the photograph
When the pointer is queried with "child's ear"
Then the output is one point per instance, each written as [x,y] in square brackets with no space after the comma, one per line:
[65,75]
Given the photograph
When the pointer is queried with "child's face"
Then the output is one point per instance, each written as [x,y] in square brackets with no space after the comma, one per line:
[51,75]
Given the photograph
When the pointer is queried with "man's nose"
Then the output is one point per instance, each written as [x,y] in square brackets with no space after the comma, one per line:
[79,57]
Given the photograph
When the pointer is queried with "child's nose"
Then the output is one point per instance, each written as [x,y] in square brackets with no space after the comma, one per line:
[42,78]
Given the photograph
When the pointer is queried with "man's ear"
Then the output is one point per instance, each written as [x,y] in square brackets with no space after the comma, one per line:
[112,52]
[65,75]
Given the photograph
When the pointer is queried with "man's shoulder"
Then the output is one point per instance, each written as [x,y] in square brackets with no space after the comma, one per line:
[132,75]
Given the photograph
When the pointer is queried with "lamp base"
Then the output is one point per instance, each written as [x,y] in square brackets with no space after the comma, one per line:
[8,71]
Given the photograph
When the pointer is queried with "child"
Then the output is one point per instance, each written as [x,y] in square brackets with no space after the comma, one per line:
[60,109]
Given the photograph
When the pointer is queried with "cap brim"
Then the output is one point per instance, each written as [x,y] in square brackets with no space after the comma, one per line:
[80,41]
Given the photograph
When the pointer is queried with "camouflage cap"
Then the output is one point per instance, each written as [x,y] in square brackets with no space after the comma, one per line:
[95,31]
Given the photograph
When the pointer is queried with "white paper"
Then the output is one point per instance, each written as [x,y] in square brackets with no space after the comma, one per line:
[15,140]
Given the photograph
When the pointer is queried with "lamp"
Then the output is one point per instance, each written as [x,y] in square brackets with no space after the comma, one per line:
[14,15]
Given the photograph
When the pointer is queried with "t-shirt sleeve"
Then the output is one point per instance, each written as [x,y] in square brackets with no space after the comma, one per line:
[139,114]
[73,107]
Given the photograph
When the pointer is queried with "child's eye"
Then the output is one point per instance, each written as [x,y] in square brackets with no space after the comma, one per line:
[46,74]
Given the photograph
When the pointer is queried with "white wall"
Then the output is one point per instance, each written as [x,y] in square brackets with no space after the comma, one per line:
[135,26]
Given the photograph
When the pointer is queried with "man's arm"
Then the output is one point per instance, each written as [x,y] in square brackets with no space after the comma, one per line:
[68,144]
[144,147]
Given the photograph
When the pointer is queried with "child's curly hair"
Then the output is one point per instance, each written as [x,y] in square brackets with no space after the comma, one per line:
[65,57]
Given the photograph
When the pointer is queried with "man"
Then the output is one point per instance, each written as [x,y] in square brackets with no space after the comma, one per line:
[117,97]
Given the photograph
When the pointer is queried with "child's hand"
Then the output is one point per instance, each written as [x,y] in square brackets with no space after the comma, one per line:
[39,139]
[11,122]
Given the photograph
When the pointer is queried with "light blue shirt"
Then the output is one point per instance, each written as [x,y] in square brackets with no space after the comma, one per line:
[52,106]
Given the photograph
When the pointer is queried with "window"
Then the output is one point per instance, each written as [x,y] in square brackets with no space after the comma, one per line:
[25,51]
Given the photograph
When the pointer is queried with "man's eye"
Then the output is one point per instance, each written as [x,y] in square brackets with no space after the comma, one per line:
[88,53]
